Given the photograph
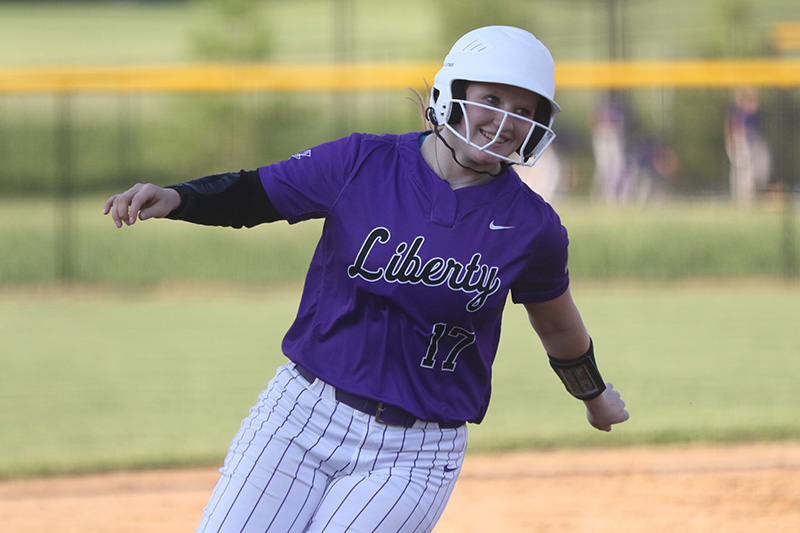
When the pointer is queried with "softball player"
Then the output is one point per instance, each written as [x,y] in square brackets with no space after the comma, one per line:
[390,355]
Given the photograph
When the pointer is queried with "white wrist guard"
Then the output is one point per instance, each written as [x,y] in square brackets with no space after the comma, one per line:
[580,376]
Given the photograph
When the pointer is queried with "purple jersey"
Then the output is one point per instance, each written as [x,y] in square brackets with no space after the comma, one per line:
[405,293]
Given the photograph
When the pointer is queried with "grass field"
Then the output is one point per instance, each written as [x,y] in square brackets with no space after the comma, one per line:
[111,379]
[678,240]
[87,32]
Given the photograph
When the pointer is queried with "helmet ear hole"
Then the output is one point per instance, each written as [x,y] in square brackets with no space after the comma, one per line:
[459,92]
[544,112]
[542,115]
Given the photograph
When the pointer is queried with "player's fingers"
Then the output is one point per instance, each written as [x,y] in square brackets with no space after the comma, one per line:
[133,201]
[613,395]
[618,405]
[121,204]
[147,203]
[620,413]
[602,425]
[120,209]
[609,410]
[138,202]
[108,204]
[109,208]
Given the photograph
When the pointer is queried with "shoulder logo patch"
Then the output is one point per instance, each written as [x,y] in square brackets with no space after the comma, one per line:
[306,153]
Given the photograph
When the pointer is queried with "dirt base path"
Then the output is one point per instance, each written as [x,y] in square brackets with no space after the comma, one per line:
[742,488]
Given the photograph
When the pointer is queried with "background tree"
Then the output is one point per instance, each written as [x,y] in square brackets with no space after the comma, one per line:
[233,30]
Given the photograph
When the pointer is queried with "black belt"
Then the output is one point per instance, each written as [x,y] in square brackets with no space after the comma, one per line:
[384,413]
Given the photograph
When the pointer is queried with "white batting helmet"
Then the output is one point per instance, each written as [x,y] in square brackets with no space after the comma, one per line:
[498,54]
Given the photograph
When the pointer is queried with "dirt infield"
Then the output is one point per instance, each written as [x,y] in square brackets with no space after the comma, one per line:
[742,488]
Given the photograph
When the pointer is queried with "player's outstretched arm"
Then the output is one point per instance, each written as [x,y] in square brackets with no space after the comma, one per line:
[563,334]
[142,201]
[606,410]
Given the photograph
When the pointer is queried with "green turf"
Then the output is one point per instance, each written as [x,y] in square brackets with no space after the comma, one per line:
[671,241]
[121,33]
[124,380]
[694,362]
[95,380]
[91,32]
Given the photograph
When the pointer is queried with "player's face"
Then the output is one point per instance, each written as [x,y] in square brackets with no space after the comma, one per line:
[485,121]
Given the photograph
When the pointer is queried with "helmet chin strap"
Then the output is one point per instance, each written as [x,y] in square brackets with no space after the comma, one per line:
[432,118]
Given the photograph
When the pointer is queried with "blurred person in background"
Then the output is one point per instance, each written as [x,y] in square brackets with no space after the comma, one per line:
[546,177]
[656,166]
[612,175]
[747,149]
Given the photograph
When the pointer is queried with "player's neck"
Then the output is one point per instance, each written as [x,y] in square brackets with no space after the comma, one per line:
[440,159]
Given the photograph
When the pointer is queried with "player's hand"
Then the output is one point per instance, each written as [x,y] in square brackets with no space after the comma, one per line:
[606,409]
[141,201]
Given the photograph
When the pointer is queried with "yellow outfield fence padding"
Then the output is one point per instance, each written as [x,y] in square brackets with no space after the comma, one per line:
[783,73]
[713,74]
[220,78]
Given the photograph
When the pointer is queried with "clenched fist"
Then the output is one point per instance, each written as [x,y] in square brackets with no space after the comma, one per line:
[606,409]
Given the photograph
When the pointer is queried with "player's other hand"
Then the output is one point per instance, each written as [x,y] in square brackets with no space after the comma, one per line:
[141,201]
[606,409]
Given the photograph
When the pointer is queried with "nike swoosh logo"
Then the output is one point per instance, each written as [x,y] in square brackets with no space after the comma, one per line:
[450,468]
[494,226]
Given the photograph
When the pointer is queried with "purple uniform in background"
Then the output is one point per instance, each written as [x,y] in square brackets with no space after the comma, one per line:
[404,296]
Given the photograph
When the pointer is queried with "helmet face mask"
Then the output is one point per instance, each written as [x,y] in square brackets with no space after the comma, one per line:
[537,138]
[503,55]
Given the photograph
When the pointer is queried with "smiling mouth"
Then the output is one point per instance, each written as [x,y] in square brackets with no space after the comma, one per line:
[491,137]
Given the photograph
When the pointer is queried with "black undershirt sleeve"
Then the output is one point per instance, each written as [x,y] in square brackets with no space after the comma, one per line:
[235,199]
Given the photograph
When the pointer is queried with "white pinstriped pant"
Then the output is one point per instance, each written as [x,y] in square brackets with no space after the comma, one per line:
[303,462]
